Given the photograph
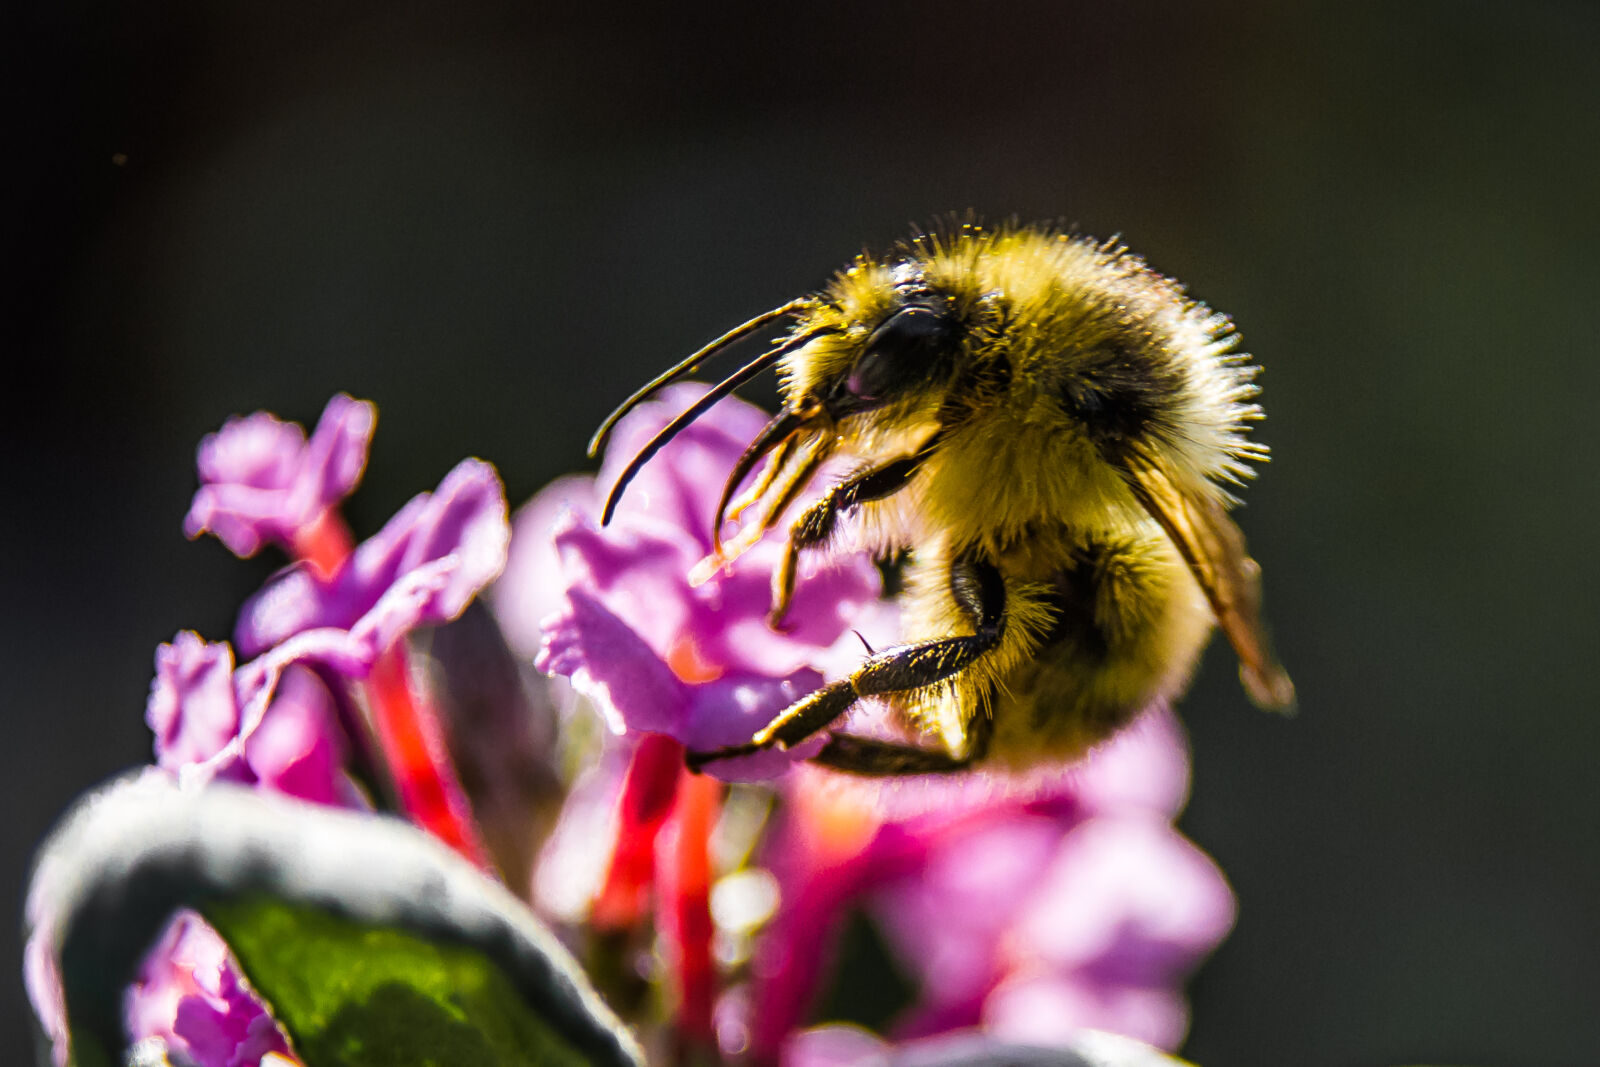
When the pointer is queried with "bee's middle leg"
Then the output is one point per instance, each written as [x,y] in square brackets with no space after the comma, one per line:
[977,587]
[870,757]
[816,524]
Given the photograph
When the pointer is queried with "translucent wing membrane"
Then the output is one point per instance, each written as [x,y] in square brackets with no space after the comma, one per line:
[1215,550]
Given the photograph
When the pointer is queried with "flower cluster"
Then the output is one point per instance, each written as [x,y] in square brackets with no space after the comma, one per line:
[1075,907]
[616,612]
[286,721]
[1032,912]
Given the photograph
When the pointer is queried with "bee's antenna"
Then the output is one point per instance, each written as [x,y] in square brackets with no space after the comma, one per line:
[690,365]
[701,406]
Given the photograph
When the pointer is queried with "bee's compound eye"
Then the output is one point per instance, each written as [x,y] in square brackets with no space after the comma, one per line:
[909,346]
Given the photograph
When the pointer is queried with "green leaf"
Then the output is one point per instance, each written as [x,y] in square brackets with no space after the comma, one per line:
[371,942]
[352,994]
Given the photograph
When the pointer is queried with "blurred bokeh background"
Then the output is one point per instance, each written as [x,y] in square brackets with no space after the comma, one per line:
[495,217]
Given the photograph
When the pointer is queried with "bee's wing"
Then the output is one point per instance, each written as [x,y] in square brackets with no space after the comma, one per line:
[1215,550]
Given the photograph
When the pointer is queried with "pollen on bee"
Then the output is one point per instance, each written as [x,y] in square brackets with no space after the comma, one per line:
[723,561]
[707,569]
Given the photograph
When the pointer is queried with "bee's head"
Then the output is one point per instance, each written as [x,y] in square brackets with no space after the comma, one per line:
[889,344]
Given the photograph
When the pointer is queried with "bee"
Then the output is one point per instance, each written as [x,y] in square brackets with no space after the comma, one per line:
[1051,430]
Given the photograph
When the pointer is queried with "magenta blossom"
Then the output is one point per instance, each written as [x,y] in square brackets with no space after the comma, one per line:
[314,631]
[1027,915]
[656,653]
[422,568]
[189,996]
[263,482]
[270,724]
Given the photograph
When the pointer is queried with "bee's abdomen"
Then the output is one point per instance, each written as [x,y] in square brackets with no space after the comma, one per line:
[1126,623]
[1107,592]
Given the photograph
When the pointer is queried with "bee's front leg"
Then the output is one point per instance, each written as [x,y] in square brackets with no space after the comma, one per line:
[979,589]
[817,523]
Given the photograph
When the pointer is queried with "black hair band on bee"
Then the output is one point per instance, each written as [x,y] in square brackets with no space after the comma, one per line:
[700,407]
[690,365]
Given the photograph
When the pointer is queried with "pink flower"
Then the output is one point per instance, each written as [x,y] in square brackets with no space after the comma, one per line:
[422,568]
[277,721]
[270,723]
[656,653]
[263,482]
[190,996]
[1027,914]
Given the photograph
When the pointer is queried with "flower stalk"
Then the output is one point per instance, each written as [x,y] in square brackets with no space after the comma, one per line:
[419,763]
[408,733]
[649,793]
[685,906]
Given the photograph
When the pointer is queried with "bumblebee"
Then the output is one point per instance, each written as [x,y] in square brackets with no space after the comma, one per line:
[1051,430]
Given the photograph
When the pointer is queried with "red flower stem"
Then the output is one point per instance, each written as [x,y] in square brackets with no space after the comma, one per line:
[686,911]
[409,734]
[649,791]
[324,544]
[419,762]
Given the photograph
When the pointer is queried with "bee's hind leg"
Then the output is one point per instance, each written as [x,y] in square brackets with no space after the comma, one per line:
[978,588]
[816,524]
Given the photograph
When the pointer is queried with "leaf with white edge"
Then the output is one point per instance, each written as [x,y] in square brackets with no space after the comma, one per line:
[371,942]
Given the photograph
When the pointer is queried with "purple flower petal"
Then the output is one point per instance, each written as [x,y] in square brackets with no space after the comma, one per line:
[832,594]
[1146,765]
[681,485]
[658,654]
[638,693]
[612,665]
[571,868]
[191,710]
[531,587]
[257,681]
[639,574]
[836,1046]
[972,885]
[1146,905]
[190,996]
[640,570]
[638,566]
[263,482]
[730,710]
[1051,1009]
[433,556]
[298,748]
[337,454]
[263,723]
[465,518]
[985,888]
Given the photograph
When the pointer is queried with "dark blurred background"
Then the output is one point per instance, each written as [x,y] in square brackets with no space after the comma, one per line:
[494,218]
